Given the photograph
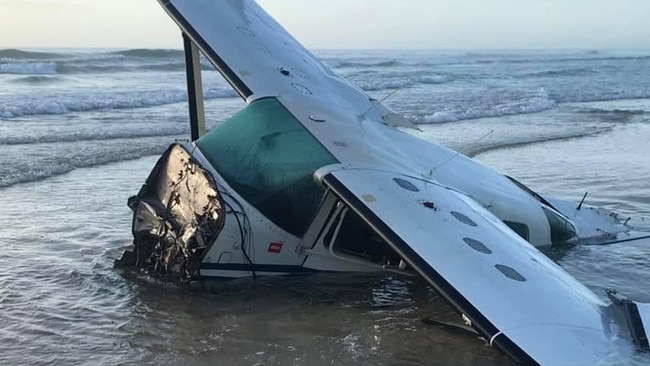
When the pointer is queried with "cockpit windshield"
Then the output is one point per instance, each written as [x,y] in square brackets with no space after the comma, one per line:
[268,157]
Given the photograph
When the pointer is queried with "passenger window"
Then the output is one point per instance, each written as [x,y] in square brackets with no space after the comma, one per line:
[269,158]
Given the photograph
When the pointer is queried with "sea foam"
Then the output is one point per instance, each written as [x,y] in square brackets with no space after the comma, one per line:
[434,79]
[28,68]
[85,103]
[533,105]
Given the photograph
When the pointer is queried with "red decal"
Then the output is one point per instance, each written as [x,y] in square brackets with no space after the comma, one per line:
[275,247]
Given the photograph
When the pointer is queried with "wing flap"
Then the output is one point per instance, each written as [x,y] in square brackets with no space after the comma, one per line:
[637,317]
[644,315]
[514,295]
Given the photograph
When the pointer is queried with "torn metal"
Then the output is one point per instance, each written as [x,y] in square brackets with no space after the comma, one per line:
[177,215]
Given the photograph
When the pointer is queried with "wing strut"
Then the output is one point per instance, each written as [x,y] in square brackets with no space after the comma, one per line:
[194,88]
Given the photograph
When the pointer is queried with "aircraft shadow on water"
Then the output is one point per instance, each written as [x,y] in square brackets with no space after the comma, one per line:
[313,175]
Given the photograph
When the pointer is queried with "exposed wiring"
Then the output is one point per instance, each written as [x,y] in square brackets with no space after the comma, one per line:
[495,337]
[242,229]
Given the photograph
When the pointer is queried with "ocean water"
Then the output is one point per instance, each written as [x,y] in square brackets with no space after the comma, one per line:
[80,130]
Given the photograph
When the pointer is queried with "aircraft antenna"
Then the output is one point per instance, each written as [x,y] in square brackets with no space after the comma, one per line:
[582,201]
[430,175]
[408,83]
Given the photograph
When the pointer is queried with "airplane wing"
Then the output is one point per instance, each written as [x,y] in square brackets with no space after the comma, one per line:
[520,300]
[255,54]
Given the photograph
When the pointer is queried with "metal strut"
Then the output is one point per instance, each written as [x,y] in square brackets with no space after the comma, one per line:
[194,88]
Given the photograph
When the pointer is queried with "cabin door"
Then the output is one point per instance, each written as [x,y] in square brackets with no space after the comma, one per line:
[338,240]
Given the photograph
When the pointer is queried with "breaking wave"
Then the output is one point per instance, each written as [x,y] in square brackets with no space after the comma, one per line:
[435,61]
[534,105]
[480,149]
[53,68]
[562,73]
[564,59]
[589,95]
[169,66]
[37,80]
[393,83]
[62,164]
[150,53]
[28,68]
[434,79]
[95,136]
[137,60]
[81,68]
[71,67]
[381,85]
[15,54]
[614,115]
[85,103]
[354,64]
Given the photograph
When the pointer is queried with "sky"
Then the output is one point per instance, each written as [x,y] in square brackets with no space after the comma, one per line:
[346,24]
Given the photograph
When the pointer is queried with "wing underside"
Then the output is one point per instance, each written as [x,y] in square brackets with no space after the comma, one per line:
[256,55]
[515,296]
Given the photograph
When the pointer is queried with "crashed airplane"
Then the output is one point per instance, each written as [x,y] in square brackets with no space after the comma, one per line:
[314,175]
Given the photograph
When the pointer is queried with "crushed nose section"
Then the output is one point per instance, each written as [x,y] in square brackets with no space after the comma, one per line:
[177,215]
